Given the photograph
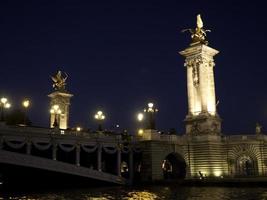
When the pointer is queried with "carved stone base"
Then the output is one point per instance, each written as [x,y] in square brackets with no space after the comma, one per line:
[203,123]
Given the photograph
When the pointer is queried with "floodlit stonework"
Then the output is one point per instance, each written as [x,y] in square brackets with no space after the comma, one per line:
[202,117]
[62,99]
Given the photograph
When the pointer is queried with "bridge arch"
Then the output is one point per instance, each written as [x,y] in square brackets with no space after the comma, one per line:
[244,160]
[174,166]
[246,165]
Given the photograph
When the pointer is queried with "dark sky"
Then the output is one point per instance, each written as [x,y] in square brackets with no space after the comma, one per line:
[122,54]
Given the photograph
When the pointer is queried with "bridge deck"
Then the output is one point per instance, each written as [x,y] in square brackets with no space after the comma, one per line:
[8,157]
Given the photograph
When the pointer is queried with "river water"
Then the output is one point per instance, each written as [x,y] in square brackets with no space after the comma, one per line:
[147,193]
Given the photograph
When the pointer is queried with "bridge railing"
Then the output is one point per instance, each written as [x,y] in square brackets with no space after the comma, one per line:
[171,138]
[246,137]
[17,131]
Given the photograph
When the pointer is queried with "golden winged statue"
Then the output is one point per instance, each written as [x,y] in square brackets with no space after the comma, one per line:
[198,34]
[59,81]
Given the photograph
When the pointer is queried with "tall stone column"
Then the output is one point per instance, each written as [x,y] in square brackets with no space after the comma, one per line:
[202,117]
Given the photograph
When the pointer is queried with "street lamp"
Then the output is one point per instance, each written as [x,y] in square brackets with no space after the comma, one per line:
[99,116]
[4,104]
[140,132]
[140,117]
[78,128]
[56,111]
[151,111]
[25,104]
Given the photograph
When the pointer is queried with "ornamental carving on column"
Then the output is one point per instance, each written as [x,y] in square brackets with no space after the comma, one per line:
[195,73]
[211,63]
[215,127]
[195,129]
[195,64]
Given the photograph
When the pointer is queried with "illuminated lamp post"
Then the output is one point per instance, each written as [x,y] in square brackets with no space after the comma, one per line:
[56,111]
[25,104]
[99,116]
[4,104]
[78,128]
[140,118]
[150,113]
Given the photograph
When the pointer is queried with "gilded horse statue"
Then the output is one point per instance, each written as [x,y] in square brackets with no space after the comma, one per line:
[59,81]
[198,34]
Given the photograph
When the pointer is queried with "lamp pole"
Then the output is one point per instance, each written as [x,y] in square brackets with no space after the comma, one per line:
[25,104]
[56,111]
[151,110]
[99,116]
[140,119]
[4,104]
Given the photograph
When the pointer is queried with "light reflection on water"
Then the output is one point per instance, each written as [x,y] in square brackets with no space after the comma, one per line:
[147,193]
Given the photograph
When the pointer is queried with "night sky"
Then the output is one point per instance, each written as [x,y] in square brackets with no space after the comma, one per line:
[120,55]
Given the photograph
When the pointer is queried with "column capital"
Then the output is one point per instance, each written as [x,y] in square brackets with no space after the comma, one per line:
[199,50]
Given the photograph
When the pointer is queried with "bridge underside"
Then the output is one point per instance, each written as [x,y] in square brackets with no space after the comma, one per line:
[17,165]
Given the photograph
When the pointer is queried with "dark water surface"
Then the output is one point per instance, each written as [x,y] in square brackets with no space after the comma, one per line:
[147,193]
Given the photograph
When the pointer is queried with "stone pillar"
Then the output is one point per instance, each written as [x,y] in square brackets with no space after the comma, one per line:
[29,147]
[131,166]
[62,99]
[119,161]
[99,157]
[202,117]
[54,152]
[78,151]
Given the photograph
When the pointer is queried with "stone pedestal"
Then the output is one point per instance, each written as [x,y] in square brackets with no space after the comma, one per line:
[203,124]
[62,99]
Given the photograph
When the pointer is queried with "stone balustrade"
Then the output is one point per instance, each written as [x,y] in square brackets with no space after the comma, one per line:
[43,139]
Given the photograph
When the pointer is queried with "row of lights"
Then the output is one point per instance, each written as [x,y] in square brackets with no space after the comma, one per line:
[99,116]
[5,104]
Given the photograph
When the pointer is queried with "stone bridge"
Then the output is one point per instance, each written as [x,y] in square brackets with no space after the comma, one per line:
[93,156]
[148,157]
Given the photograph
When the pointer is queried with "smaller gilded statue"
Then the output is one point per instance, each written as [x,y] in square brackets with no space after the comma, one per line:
[59,81]
[198,34]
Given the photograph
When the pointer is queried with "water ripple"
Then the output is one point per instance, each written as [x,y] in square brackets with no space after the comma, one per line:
[147,193]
